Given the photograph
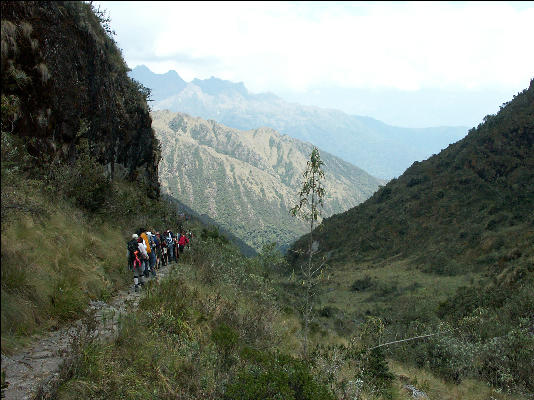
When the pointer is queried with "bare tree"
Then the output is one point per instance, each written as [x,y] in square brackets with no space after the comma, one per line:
[309,208]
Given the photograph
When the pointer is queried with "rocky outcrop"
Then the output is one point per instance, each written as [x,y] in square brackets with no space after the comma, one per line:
[63,79]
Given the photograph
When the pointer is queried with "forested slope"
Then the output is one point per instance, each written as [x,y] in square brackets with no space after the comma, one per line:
[446,250]
[470,204]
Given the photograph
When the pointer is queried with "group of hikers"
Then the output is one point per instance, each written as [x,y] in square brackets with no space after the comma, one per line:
[148,251]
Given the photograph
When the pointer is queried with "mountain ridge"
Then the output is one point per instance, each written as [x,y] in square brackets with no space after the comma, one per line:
[247,180]
[380,149]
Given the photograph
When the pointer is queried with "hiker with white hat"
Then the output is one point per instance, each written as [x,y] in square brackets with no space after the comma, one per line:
[135,263]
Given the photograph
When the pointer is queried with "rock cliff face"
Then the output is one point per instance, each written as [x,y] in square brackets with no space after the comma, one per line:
[63,79]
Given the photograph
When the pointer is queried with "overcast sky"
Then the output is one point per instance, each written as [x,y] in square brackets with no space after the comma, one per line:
[294,48]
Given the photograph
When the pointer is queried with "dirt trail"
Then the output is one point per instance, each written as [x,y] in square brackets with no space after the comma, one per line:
[35,371]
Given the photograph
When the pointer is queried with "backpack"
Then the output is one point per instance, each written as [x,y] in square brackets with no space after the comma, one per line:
[132,246]
[168,240]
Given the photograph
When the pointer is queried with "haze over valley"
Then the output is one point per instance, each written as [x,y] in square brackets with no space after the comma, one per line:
[382,150]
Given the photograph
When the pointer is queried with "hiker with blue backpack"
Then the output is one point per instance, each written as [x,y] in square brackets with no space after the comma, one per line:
[169,241]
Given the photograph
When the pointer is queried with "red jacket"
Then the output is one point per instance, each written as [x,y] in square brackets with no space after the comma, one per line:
[183,240]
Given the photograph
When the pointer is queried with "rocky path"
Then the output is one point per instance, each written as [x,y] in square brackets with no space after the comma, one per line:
[35,372]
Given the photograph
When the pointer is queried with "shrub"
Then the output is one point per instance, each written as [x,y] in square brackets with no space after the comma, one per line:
[275,376]
[67,300]
[226,339]
[362,284]
[507,361]
[87,183]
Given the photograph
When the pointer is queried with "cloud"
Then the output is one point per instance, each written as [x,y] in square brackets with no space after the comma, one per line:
[297,46]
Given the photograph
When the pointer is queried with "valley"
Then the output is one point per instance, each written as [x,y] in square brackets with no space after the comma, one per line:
[416,281]
[246,180]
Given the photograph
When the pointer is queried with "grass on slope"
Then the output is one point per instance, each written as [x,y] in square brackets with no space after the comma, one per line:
[53,263]
[363,289]
[64,233]
[209,330]
[215,328]
[476,323]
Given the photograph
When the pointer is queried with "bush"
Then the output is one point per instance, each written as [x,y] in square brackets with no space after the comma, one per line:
[85,181]
[362,284]
[376,375]
[275,376]
[68,301]
[226,339]
[507,361]
[214,234]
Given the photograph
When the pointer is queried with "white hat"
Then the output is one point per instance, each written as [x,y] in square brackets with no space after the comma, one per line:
[134,236]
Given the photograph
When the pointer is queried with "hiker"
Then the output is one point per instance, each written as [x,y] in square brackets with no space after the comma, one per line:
[169,241]
[143,256]
[131,247]
[146,240]
[157,241]
[189,237]
[134,262]
[164,251]
[175,247]
[182,242]
[152,254]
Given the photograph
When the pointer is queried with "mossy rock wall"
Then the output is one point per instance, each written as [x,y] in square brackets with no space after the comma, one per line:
[63,78]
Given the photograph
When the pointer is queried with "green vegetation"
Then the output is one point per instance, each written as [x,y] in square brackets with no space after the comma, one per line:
[222,325]
[59,246]
[50,99]
[445,250]
[208,331]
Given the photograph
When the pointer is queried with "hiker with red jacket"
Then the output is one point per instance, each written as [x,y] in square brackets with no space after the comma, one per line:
[182,241]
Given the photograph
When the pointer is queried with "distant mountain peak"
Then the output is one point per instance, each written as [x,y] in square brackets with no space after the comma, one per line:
[142,68]
[384,151]
[162,85]
[215,86]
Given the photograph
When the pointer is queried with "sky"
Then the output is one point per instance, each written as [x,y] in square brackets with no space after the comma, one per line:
[337,54]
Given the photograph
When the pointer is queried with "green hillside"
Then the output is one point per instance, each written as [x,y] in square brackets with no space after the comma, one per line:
[246,180]
[470,204]
[448,246]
